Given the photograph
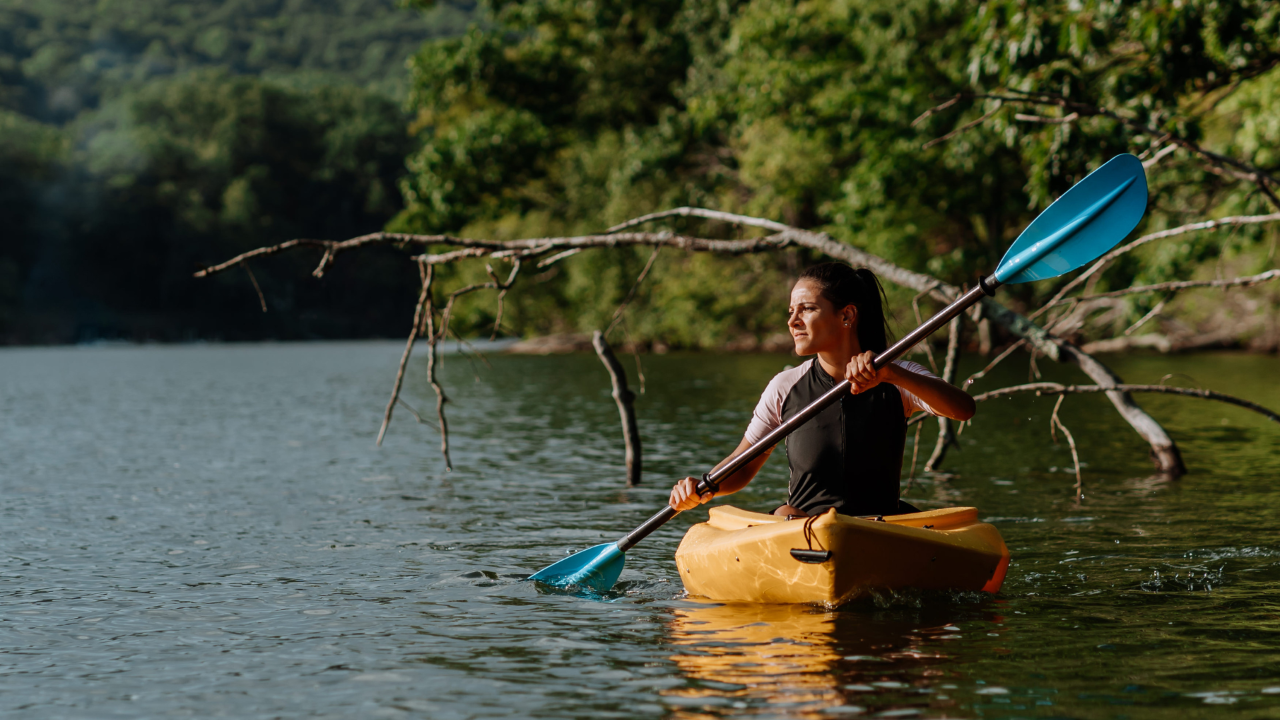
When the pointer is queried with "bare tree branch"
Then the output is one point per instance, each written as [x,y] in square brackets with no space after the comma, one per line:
[330,247]
[1075,456]
[502,292]
[915,453]
[991,365]
[523,248]
[963,128]
[731,218]
[1160,155]
[546,262]
[414,413]
[617,314]
[1246,281]
[1143,320]
[1050,388]
[1163,449]
[256,287]
[946,435]
[404,357]
[1214,162]
[935,110]
[1103,261]
[432,356]
[1047,120]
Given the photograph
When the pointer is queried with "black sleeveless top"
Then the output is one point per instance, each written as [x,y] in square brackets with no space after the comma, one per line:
[849,456]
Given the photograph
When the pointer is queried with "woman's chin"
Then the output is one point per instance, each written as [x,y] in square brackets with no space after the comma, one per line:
[802,346]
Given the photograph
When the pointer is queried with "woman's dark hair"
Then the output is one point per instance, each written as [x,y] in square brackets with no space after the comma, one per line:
[843,286]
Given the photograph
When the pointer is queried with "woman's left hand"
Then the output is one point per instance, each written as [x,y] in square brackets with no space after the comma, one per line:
[863,375]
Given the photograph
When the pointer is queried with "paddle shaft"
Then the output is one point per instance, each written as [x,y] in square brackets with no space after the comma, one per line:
[711,481]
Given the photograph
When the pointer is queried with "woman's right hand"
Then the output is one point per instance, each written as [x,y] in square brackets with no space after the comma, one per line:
[684,496]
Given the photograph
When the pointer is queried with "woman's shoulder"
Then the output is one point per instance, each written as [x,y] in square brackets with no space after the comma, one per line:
[791,375]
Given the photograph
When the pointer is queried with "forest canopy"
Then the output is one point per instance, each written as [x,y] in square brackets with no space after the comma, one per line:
[559,117]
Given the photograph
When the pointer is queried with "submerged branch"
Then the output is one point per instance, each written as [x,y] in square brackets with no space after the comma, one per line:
[625,399]
[1075,456]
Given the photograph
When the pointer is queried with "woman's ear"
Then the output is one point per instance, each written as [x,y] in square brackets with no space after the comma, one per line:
[849,316]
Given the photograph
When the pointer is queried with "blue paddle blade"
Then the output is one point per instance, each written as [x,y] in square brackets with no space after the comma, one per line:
[596,569]
[1088,220]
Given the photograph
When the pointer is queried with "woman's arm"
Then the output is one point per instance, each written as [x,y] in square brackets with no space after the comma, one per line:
[684,495]
[945,398]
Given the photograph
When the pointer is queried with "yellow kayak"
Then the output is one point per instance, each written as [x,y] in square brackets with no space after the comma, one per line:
[828,559]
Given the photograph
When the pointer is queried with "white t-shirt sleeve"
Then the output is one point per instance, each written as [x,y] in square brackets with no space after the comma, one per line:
[910,402]
[768,412]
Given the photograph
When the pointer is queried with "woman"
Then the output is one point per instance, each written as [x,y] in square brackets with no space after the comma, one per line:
[849,456]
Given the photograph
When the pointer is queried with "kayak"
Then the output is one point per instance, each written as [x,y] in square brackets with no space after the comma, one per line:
[828,559]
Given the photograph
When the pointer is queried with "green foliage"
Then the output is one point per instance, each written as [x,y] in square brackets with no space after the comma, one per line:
[561,117]
[59,57]
[178,134]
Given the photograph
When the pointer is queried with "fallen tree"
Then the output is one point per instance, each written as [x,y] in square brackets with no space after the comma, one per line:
[432,316]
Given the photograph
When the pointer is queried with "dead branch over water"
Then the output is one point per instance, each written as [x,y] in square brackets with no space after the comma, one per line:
[549,250]
[1050,388]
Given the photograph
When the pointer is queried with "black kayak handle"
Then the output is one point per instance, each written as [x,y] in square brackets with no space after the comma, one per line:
[812,557]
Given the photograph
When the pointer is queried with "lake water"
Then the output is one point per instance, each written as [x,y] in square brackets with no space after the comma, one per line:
[210,531]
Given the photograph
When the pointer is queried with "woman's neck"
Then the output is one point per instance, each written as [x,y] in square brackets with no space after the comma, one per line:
[835,360]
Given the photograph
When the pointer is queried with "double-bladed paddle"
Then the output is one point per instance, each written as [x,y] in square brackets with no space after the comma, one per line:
[1088,220]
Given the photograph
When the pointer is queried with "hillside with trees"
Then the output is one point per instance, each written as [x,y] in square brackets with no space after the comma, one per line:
[139,140]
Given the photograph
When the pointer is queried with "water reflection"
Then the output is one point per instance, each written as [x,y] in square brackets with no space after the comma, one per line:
[802,661]
[772,655]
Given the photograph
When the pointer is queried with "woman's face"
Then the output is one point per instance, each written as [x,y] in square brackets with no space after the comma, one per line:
[814,323]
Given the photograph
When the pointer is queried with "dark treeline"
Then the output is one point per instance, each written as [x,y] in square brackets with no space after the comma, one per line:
[142,140]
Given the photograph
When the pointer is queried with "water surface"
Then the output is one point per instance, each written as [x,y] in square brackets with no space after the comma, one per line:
[209,530]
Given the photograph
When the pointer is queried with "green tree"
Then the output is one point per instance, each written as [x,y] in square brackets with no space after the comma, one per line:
[556,117]
[69,56]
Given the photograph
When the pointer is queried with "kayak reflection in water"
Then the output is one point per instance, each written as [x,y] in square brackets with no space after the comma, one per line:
[849,456]
[800,661]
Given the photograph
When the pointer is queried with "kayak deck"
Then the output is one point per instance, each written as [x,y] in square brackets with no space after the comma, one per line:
[739,555]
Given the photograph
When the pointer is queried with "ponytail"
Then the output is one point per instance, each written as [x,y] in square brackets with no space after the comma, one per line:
[842,286]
